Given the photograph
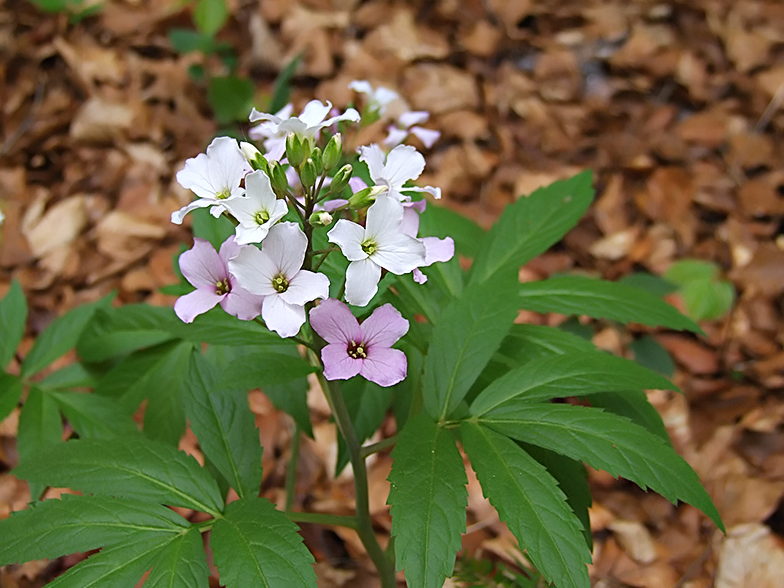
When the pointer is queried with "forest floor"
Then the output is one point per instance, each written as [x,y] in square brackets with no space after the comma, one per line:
[676,106]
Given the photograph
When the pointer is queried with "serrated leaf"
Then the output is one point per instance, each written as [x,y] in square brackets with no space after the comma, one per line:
[13,318]
[225,427]
[264,368]
[531,225]
[94,416]
[73,524]
[650,283]
[10,393]
[40,428]
[532,505]
[209,16]
[60,336]
[367,404]
[181,564]
[578,295]
[428,498]
[605,441]
[164,417]
[634,405]
[216,327]
[131,467]
[468,332]
[256,545]
[560,376]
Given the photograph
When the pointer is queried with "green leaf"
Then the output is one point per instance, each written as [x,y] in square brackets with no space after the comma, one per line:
[256,545]
[116,567]
[648,353]
[608,442]
[74,375]
[466,336]
[215,230]
[367,405]
[532,505]
[685,271]
[264,368]
[216,327]
[209,16]
[73,524]
[181,564]
[650,283]
[282,90]
[707,300]
[164,417]
[94,416]
[634,405]
[561,376]
[13,317]
[187,41]
[60,336]
[231,98]
[131,467]
[577,295]
[440,221]
[40,428]
[428,497]
[531,225]
[10,393]
[224,426]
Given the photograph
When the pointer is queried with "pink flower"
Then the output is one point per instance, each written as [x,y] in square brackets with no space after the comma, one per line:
[208,271]
[365,350]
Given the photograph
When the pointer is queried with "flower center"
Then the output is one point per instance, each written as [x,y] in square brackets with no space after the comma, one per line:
[369,246]
[356,350]
[280,283]
[223,194]
[222,287]
[261,217]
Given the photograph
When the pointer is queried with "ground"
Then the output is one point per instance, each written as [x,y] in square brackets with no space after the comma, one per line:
[675,106]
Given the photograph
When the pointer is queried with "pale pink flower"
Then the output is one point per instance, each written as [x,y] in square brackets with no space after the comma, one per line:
[258,210]
[436,250]
[393,170]
[408,124]
[274,139]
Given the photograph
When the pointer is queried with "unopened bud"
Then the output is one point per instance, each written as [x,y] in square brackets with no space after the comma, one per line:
[320,218]
[278,179]
[333,152]
[254,156]
[340,180]
[366,197]
[295,150]
[308,173]
[317,158]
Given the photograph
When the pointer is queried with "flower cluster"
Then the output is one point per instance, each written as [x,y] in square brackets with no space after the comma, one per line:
[278,201]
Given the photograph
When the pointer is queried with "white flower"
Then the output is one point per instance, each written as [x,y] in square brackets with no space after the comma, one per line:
[378,98]
[214,177]
[306,125]
[274,139]
[380,244]
[402,164]
[407,124]
[258,211]
[276,273]
[2,217]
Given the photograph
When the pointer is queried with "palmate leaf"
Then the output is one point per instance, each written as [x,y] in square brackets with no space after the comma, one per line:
[10,392]
[531,225]
[532,505]
[40,428]
[559,376]
[72,524]
[634,405]
[13,318]
[264,368]
[133,468]
[467,333]
[604,441]
[256,545]
[225,427]
[578,295]
[93,416]
[181,564]
[428,497]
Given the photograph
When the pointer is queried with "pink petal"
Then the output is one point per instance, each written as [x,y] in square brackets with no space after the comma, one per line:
[395,136]
[438,250]
[280,316]
[202,266]
[242,304]
[357,184]
[331,205]
[362,281]
[410,224]
[199,301]
[337,363]
[334,322]
[384,366]
[418,276]
[229,249]
[411,118]
[384,327]
[306,286]
[427,136]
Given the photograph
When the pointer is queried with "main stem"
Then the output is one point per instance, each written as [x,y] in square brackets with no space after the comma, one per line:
[385,567]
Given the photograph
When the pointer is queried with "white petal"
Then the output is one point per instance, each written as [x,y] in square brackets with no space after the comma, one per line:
[414,117]
[400,254]
[178,215]
[275,148]
[348,236]
[195,176]
[361,86]
[306,286]
[256,116]
[259,189]
[350,115]
[362,281]
[254,271]
[251,234]
[228,164]
[383,218]
[280,316]
[285,245]
[374,157]
[404,163]
[427,136]
[395,136]
[314,113]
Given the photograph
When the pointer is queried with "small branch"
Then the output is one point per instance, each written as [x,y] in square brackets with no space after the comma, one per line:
[376,447]
[317,518]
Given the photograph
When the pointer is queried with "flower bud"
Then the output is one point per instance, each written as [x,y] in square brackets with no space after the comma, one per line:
[332,152]
[308,174]
[278,179]
[254,156]
[318,160]
[340,180]
[366,197]
[320,218]
[295,150]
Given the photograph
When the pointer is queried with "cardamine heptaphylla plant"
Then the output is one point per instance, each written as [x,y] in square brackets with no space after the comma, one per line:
[325,258]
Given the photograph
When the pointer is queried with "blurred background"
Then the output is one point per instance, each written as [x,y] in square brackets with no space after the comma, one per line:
[676,106]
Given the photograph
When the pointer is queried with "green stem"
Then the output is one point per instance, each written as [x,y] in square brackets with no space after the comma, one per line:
[205,525]
[318,518]
[376,447]
[291,470]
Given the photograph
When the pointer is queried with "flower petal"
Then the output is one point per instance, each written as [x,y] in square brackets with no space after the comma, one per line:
[427,136]
[285,245]
[338,365]
[306,286]
[228,250]
[227,163]
[314,113]
[438,250]
[413,117]
[384,327]
[333,321]
[178,215]
[258,189]
[418,276]
[253,271]
[348,236]
[404,163]
[350,115]
[410,224]
[374,157]
[202,266]
[199,301]
[399,253]
[395,136]
[242,304]
[280,316]
[383,219]
[362,281]
[384,366]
